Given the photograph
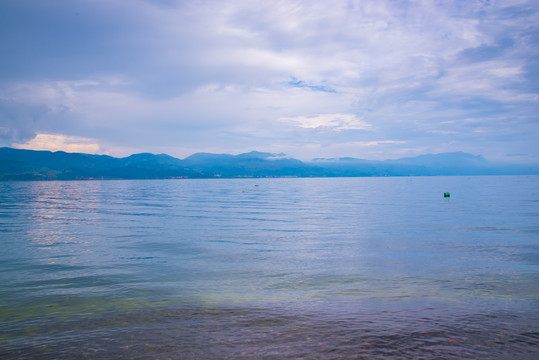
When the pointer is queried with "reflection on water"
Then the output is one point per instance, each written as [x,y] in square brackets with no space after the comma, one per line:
[291,268]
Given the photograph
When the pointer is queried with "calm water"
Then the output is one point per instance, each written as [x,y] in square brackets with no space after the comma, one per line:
[271,268]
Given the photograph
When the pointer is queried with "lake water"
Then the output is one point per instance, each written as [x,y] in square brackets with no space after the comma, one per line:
[318,268]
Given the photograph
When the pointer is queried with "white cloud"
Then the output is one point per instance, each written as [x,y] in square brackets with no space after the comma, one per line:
[376,150]
[336,122]
[72,144]
[377,143]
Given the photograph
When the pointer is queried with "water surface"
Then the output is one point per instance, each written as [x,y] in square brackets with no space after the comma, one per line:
[271,268]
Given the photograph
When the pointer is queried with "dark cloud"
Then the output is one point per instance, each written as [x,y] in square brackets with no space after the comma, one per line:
[60,39]
[18,122]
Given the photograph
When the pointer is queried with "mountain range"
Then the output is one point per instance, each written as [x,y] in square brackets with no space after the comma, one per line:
[18,164]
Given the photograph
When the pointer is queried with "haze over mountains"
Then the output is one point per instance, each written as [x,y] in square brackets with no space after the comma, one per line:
[17,164]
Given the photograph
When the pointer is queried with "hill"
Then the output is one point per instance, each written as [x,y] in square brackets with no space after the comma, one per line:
[17,164]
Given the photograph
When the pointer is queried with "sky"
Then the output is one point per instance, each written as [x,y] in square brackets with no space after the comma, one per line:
[370,79]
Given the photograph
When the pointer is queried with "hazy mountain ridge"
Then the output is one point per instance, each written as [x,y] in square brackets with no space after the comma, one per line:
[454,163]
[17,164]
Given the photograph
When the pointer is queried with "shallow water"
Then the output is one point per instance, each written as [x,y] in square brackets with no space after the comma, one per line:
[271,268]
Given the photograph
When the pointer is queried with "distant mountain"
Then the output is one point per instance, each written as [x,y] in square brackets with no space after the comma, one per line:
[252,164]
[16,164]
[455,163]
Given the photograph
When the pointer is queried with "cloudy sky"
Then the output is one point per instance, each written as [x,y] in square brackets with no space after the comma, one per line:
[370,79]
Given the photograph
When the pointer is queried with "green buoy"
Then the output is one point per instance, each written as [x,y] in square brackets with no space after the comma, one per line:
[446,194]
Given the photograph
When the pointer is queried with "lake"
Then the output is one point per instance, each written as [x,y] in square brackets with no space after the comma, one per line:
[284,268]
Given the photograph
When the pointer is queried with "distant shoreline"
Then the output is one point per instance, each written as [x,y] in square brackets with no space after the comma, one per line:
[257,178]
[30,165]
